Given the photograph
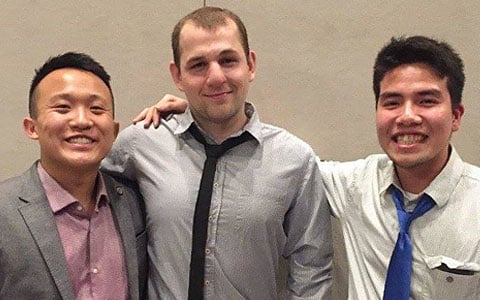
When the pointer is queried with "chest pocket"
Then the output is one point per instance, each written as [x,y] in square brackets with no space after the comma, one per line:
[454,280]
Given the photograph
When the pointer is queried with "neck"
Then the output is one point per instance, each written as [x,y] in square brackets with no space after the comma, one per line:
[413,181]
[78,183]
[222,130]
[417,179]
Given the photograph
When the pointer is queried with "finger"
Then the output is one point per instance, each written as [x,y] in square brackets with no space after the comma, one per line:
[156,119]
[140,116]
[148,117]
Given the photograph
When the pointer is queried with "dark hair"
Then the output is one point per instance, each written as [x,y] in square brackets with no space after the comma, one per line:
[208,18]
[72,60]
[419,49]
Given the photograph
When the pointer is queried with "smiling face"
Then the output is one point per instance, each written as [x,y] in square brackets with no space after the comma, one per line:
[74,122]
[415,119]
[214,74]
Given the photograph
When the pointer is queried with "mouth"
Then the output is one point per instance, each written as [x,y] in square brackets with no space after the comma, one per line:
[80,140]
[218,95]
[409,139]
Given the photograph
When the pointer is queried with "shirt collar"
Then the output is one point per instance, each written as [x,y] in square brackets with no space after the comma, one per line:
[439,189]
[59,198]
[253,125]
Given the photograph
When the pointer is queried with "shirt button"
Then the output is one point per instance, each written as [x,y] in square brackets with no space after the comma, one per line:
[207,283]
[79,208]
[449,279]
[215,185]
[210,218]
[207,251]
[94,270]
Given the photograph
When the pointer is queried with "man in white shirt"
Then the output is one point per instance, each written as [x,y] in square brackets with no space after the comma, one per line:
[418,85]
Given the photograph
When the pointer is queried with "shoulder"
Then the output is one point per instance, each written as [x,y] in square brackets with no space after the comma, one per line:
[15,186]
[11,184]
[124,195]
[472,172]
[356,169]
[136,136]
[120,185]
[283,141]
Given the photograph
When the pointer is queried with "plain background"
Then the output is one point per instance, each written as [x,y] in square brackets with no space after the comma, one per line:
[314,64]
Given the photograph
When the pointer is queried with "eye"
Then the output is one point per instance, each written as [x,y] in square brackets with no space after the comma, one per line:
[228,61]
[197,66]
[390,103]
[61,108]
[428,101]
[97,109]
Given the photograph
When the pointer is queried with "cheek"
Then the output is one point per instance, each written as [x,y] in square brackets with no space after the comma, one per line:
[381,122]
[444,121]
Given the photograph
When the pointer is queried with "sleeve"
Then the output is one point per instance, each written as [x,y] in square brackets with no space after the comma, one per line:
[120,162]
[335,179]
[309,248]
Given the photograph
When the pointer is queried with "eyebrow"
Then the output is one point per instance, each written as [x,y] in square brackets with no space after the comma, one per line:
[433,92]
[69,97]
[195,59]
[426,92]
[389,95]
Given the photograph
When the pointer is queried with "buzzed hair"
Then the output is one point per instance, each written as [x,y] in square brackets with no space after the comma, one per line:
[208,18]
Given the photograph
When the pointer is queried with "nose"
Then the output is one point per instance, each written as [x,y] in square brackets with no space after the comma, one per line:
[216,75]
[81,118]
[409,114]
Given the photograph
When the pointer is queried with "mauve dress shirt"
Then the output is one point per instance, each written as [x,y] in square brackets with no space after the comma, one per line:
[91,244]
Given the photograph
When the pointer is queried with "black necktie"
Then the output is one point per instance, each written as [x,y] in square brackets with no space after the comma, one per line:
[202,209]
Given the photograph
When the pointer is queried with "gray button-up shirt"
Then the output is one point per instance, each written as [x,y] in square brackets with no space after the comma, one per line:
[267,203]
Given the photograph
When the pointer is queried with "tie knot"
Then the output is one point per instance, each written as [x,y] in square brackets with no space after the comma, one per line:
[405,218]
[215,151]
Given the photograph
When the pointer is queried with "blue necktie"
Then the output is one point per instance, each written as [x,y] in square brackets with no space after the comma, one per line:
[397,284]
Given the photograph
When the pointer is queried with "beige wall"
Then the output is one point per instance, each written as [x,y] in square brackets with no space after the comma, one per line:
[314,61]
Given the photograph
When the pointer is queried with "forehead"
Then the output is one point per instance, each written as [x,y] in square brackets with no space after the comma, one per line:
[196,40]
[70,81]
[413,76]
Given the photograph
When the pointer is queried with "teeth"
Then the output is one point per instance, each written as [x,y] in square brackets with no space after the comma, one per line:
[80,140]
[409,139]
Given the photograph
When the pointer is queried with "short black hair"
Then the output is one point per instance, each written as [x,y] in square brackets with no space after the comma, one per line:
[440,56]
[73,60]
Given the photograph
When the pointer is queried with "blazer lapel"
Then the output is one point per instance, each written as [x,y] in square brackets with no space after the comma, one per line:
[123,221]
[39,218]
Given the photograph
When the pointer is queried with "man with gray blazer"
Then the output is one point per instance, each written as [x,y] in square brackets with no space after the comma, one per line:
[68,231]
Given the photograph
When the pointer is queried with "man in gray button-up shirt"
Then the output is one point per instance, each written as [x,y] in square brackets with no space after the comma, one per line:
[266,201]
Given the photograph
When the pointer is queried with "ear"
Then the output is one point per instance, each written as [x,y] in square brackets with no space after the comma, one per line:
[30,129]
[117,128]
[176,75]
[252,64]
[457,117]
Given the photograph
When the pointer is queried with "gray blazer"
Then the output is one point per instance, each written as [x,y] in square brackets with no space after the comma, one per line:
[32,262]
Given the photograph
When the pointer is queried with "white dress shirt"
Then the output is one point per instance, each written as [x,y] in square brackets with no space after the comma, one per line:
[448,234]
